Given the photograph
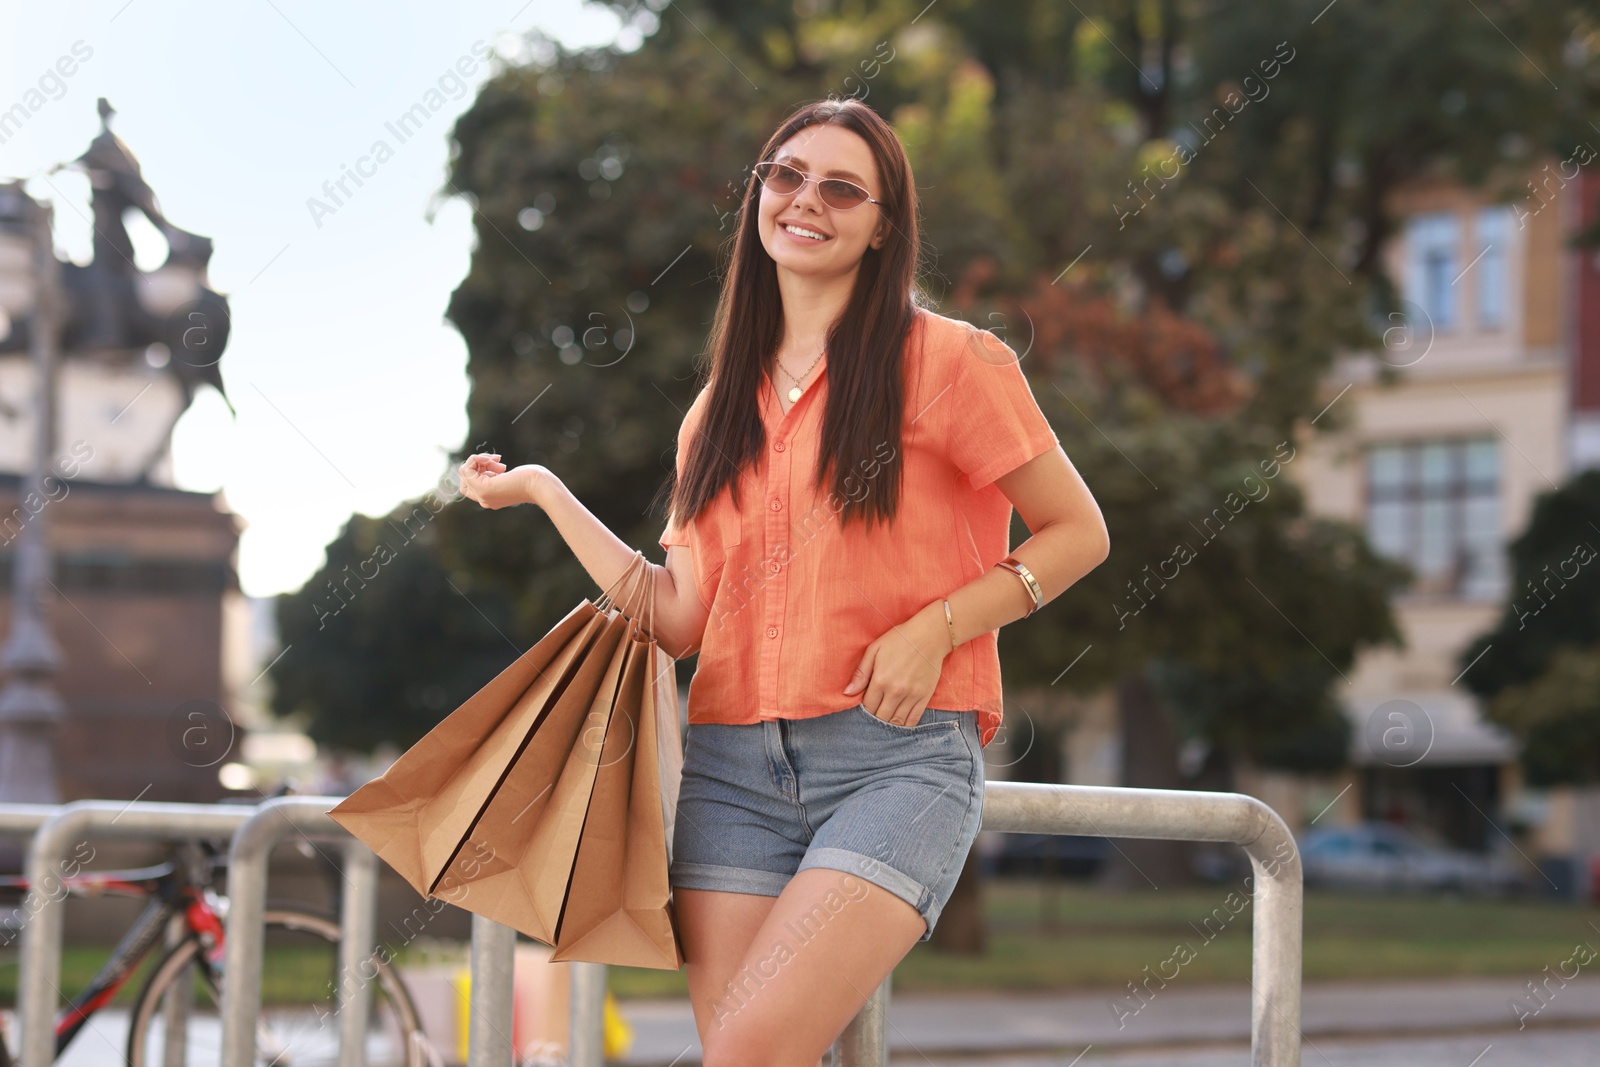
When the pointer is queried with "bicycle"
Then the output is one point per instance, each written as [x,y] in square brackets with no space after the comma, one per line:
[182,898]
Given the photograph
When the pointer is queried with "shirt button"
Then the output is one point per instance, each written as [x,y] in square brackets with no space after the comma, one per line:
[778,447]
[772,631]
[776,504]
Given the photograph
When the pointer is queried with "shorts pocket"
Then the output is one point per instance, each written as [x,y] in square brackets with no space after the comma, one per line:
[934,720]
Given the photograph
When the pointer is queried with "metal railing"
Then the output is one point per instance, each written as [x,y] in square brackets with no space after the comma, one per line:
[1183,815]
[244,948]
[1177,815]
[1101,811]
[40,973]
[489,1032]
[24,820]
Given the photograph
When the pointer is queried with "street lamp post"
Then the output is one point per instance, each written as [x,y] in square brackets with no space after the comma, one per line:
[30,707]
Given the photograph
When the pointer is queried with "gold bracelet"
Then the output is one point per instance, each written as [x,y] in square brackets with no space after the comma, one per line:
[950,623]
[1017,567]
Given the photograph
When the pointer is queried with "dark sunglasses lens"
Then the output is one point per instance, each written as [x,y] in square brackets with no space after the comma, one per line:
[841,194]
[779,178]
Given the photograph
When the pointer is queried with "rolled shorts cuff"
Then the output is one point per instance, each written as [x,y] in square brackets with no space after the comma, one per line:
[882,875]
[726,879]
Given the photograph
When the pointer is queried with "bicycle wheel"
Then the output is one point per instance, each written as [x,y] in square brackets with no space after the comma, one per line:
[299,1022]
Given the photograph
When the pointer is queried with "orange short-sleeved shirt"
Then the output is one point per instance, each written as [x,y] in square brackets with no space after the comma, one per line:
[795,598]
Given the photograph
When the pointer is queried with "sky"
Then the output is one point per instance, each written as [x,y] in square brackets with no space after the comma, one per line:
[350,385]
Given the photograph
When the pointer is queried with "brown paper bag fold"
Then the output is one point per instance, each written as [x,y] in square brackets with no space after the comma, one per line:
[618,905]
[415,815]
[546,801]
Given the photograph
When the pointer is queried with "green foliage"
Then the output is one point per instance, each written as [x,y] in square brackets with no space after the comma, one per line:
[1540,665]
[386,640]
[1213,559]
[1557,715]
[595,317]
[1289,721]
[1253,609]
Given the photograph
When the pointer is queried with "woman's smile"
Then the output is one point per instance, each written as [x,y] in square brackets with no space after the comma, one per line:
[803,234]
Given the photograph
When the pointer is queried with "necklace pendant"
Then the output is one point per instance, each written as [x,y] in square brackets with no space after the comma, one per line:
[794,394]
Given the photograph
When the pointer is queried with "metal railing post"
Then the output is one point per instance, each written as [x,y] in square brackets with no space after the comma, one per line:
[243,957]
[1173,815]
[494,949]
[176,1005]
[19,822]
[358,918]
[39,977]
[866,1039]
[586,1030]
[244,948]
[1277,946]
[22,821]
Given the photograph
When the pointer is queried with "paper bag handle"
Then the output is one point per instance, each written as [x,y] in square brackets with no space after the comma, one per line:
[629,575]
[637,573]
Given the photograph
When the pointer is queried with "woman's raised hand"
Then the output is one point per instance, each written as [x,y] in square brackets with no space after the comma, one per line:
[485,479]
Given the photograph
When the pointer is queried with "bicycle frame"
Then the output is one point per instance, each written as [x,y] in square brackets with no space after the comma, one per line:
[171,892]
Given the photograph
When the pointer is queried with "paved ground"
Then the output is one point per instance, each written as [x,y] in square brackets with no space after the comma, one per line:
[1547,1048]
[103,1042]
[954,1028]
[1444,1023]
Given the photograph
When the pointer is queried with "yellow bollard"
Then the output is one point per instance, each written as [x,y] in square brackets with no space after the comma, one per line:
[618,1034]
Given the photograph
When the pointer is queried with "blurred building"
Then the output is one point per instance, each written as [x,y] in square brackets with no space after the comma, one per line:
[151,623]
[1492,397]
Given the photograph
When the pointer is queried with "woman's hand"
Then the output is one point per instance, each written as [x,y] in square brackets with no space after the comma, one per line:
[485,479]
[900,670]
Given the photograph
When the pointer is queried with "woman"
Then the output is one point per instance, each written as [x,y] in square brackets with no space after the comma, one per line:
[841,512]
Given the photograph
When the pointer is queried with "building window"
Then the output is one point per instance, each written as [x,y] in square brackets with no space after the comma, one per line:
[1436,506]
[1433,244]
[114,573]
[1492,236]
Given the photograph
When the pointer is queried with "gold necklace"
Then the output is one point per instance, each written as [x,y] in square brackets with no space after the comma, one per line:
[795,390]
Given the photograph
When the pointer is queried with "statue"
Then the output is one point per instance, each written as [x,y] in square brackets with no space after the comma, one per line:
[89,334]
[117,314]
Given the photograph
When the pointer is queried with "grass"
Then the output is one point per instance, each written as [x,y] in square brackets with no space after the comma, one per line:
[1067,936]
[292,975]
[1075,937]
[78,966]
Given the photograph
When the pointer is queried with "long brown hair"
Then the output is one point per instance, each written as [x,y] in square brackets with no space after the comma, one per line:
[865,344]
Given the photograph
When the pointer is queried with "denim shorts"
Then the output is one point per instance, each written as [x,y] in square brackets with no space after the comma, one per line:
[898,806]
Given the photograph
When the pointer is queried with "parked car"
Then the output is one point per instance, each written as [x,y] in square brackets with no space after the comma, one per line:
[1383,856]
[1055,854]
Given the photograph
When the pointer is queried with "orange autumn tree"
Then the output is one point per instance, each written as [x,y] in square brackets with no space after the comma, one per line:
[1222,597]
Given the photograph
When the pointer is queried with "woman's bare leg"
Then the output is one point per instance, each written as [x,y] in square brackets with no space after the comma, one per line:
[716,929]
[823,947]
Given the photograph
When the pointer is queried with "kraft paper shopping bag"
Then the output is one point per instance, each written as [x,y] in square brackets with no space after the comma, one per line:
[416,814]
[545,802]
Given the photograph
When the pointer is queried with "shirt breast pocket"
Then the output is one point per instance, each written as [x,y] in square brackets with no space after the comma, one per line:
[730,527]
[717,541]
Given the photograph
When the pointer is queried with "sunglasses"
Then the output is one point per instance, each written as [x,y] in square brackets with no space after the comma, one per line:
[835,192]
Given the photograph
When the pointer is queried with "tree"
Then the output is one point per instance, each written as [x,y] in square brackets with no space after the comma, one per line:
[1539,668]
[386,639]
[1225,616]
[602,185]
